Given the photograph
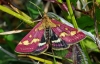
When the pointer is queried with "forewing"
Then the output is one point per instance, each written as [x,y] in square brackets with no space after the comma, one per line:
[69,34]
[31,41]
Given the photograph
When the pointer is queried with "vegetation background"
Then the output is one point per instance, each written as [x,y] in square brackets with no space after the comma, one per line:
[17,19]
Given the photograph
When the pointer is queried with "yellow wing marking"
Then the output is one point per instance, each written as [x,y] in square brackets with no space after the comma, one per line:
[30,36]
[20,43]
[73,33]
[63,34]
[35,40]
[66,28]
[26,42]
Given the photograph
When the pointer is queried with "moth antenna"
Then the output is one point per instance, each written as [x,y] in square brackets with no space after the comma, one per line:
[18,25]
[46,7]
[53,9]
[37,8]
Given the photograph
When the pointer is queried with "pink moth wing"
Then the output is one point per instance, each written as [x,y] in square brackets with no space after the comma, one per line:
[67,33]
[61,36]
[31,41]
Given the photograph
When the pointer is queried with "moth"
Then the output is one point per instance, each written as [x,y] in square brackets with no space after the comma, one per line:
[49,33]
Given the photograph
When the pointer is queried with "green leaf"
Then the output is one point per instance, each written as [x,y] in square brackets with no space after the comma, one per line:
[61,53]
[60,1]
[74,2]
[85,21]
[91,45]
[17,15]
[10,37]
[34,10]
[1,30]
[98,1]
[97,14]
[0,61]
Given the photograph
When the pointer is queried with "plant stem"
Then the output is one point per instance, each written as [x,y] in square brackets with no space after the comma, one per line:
[5,51]
[17,15]
[95,24]
[71,13]
[76,26]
